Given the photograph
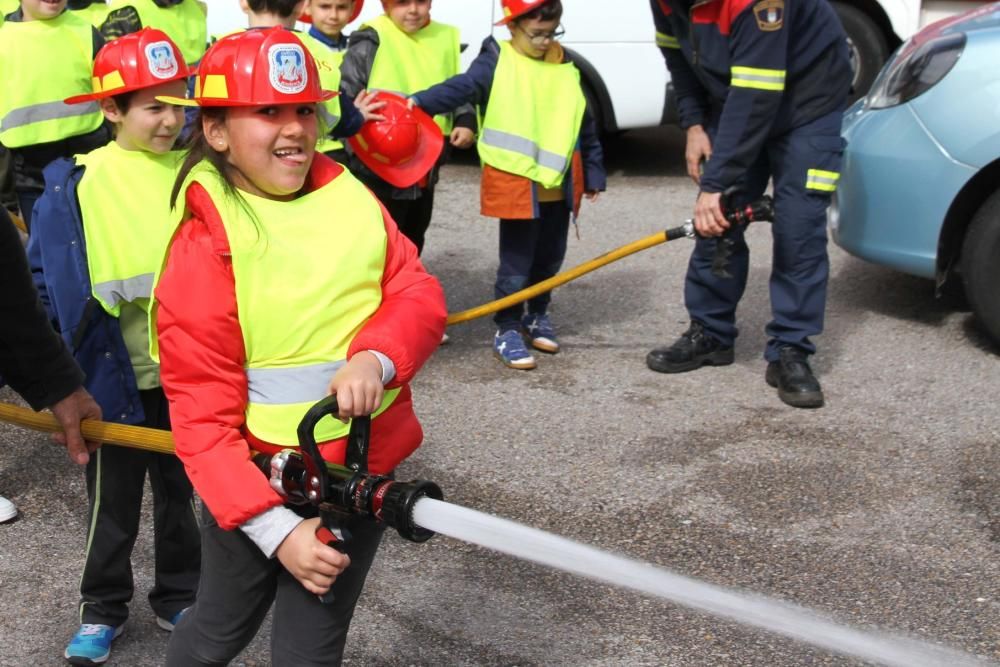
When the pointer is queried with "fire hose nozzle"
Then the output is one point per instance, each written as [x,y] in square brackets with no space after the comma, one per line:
[394,503]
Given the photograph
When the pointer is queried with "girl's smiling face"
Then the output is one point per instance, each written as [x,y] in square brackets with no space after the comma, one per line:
[269,147]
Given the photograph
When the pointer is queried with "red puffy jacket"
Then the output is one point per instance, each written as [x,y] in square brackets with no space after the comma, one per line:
[202,357]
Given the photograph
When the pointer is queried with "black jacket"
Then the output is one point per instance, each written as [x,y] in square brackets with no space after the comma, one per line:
[33,358]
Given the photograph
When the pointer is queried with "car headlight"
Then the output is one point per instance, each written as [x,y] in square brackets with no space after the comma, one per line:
[915,70]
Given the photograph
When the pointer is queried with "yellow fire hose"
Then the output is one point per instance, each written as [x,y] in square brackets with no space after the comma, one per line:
[138,437]
[567,275]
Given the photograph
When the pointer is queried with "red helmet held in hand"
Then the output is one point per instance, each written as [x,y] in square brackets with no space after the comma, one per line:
[401,149]
[142,59]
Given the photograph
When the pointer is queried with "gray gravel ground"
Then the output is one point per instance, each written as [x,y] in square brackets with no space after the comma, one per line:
[881,510]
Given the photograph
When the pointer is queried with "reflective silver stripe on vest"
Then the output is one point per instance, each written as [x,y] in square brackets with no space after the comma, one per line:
[283,386]
[527,147]
[114,292]
[38,113]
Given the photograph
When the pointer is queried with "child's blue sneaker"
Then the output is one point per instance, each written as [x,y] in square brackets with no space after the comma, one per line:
[540,332]
[510,349]
[169,623]
[91,645]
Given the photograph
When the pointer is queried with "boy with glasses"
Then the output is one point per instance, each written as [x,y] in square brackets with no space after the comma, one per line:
[540,154]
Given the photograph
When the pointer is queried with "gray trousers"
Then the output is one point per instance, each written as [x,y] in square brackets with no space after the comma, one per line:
[238,586]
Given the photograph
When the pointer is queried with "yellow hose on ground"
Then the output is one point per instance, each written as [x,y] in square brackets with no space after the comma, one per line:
[562,278]
[138,437]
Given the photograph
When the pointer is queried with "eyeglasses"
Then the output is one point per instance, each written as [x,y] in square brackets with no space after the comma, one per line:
[539,38]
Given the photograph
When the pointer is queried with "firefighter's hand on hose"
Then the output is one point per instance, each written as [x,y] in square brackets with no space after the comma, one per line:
[69,412]
[697,150]
[313,563]
[358,386]
[708,217]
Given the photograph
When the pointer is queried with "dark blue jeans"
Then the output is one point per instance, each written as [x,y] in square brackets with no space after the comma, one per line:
[530,251]
[800,265]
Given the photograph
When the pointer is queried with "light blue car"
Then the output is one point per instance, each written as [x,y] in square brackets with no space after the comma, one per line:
[920,185]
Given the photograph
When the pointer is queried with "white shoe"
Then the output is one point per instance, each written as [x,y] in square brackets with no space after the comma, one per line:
[8,510]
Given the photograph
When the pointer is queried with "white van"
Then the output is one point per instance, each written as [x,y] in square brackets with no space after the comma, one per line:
[624,74]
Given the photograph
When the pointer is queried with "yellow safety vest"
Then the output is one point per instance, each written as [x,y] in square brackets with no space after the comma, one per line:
[308,275]
[533,118]
[186,23]
[407,64]
[125,204]
[8,7]
[96,12]
[42,63]
[328,64]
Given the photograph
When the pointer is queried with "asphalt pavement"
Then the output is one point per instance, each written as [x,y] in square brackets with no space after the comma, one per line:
[880,510]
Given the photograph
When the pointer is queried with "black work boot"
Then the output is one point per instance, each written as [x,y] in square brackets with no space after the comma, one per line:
[692,350]
[797,386]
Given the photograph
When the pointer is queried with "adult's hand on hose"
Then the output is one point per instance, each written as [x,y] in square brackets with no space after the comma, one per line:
[708,217]
[69,412]
[697,150]
[314,564]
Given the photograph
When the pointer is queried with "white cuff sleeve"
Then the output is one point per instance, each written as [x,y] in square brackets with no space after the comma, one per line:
[270,528]
[388,368]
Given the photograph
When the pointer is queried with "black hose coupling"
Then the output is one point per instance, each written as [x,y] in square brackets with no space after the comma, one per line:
[393,504]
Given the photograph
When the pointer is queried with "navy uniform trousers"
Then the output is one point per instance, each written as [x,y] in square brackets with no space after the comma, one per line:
[802,163]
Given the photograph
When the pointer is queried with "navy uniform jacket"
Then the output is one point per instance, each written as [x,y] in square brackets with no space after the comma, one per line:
[752,70]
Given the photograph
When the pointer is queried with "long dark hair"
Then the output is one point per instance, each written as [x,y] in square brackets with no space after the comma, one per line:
[197,149]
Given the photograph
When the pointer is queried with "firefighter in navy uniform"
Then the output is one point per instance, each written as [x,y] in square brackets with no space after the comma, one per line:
[761,87]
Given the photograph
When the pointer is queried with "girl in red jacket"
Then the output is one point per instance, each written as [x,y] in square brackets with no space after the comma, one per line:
[287,281]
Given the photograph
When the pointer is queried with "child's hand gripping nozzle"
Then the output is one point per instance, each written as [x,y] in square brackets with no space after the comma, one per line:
[302,476]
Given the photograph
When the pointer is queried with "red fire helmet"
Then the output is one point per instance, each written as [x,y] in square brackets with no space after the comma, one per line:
[139,60]
[358,4]
[402,148]
[515,8]
[256,67]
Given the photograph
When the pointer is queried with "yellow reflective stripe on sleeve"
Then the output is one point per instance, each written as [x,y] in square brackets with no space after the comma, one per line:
[818,179]
[663,40]
[754,77]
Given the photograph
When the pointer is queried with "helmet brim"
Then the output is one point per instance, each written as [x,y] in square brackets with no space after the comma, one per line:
[93,97]
[224,102]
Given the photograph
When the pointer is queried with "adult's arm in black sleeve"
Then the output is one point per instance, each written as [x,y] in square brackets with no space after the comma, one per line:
[33,358]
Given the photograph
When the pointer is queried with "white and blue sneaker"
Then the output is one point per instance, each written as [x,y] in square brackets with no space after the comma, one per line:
[169,623]
[509,347]
[91,645]
[540,332]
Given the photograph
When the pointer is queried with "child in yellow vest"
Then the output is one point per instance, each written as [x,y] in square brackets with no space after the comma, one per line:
[541,155]
[332,300]
[101,227]
[404,51]
[45,56]
[329,18]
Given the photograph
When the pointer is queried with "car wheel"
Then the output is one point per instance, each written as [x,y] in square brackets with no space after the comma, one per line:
[981,265]
[867,47]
